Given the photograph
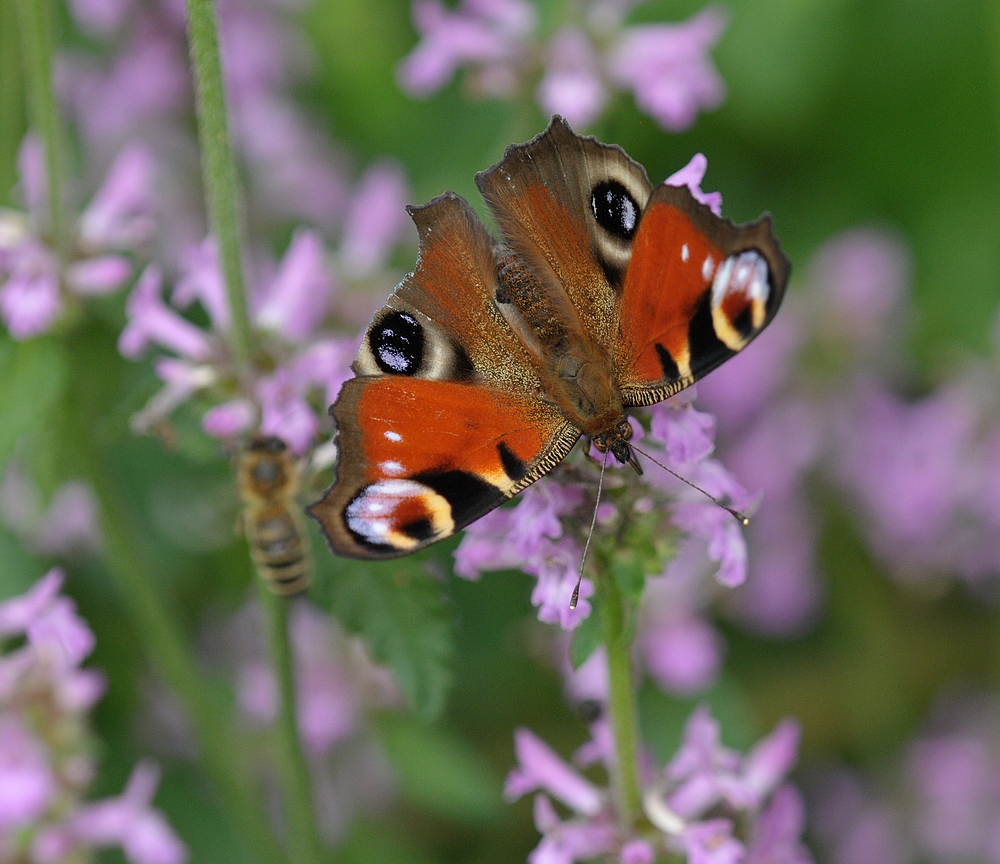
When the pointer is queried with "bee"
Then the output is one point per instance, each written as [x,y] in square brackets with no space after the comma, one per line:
[269,486]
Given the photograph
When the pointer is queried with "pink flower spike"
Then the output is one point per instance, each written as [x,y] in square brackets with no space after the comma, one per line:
[230,418]
[691,176]
[572,85]
[201,280]
[567,842]
[27,783]
[30,300]
[299,296]
[668,67]
[18,613]
[376,219]
[540,767]
[776,835]
[97,277]
[152,321]
[61,634]
[120,214]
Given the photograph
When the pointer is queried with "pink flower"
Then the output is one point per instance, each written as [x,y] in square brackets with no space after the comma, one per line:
[539,767]
[683,653]
[572,85]
[691,176]
[376,219]
[120,215]
[489,34]
[298,297]
[712,842]
[151,321]
[776,836]
[667,66]
[131,822]
[30,299]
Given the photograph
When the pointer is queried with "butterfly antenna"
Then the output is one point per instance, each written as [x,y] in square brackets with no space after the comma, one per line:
[742,518]
[586,548]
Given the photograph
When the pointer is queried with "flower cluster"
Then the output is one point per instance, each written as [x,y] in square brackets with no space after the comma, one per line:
[941,803]
[46,761]
[709,803]
[40,275]
[575,71]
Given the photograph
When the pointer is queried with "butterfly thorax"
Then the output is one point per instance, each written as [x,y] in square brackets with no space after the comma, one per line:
[576,373]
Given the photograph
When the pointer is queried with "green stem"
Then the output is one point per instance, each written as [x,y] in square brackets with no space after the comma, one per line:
[293,774]
[622,702]
[36,46]
[218,169]
[218,741]
[11,98]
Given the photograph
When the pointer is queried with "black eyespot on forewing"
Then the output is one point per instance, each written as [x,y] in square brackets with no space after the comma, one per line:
[615,210]
[397,343]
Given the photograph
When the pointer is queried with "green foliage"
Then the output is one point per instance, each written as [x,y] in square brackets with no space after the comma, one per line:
[441,773]
[32,378]
[401,612]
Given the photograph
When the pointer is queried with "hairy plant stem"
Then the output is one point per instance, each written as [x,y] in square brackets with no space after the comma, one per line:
[621,699]
[218,169]
[211,720]
[303,837]
[36,47]
[221,196]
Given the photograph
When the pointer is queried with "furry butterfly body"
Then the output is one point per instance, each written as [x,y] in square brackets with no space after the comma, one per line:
[493,357]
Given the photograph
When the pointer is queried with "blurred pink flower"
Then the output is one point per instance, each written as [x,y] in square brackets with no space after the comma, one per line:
[486,34]
[27,782]
[572,85]
[668,67]
[691,176]
[376,219]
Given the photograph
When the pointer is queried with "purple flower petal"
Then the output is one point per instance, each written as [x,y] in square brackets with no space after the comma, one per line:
[31,173]
[572,85]
[636,852]
[285,412]
[120,214]
[684,654]
[712,842]
[201,280]
[150,321]
[557,567]
[779,827]
[376,219]
[70,523]
[568,842]
[27,782]
[299,295]
[61,634]
[230,418]
[688,434]
[100,17]
[668,67]
[96,277]
[18,613]
[540,767]
[691,176]
[29,299]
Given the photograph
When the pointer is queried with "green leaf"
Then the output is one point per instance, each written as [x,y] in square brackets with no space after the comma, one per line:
[440,772]
[371,842]
[401,612]
[32,378]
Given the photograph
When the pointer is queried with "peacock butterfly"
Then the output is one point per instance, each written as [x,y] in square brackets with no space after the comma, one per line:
[492,358]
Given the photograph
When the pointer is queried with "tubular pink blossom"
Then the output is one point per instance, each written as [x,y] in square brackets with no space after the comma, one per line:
[540,767]
[27,782]
[18,612]
[376,219]
[120,215]
[229,419]
[152,321]
[572,85]
[97,277]
[201,280]
[691,176]
[299,295]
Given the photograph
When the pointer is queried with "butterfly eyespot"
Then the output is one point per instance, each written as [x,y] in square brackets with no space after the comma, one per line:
[740,292]
[615,210]
[397,343]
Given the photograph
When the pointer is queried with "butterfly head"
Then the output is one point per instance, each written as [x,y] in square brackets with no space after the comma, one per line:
[616,441]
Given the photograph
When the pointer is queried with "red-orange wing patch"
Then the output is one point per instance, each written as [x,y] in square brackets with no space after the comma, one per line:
[428,457]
